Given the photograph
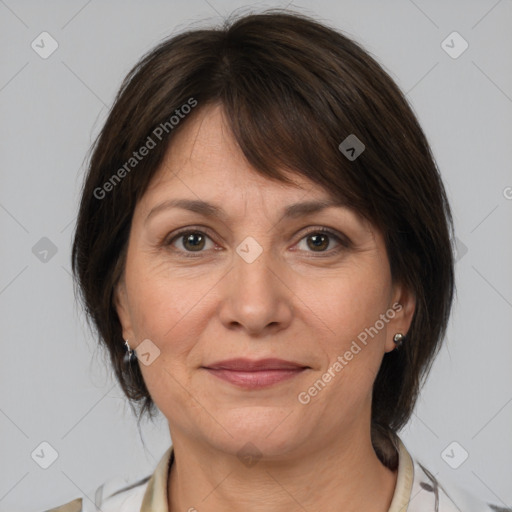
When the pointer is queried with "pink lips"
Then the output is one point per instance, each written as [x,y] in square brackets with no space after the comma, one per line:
[251,374]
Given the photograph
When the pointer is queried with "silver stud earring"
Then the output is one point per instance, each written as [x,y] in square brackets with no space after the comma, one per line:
[129,356]
[398,339]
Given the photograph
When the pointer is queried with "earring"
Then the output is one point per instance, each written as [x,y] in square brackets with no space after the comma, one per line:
[398,339]
[130,356]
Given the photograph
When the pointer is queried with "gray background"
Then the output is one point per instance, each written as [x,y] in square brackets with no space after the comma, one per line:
[55,385]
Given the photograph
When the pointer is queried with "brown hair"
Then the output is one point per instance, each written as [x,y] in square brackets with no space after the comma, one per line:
[292,90]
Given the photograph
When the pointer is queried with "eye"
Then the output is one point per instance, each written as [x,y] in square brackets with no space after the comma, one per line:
[320,240]
[190,241]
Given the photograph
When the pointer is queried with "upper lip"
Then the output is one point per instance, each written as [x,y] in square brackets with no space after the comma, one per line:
[249,365]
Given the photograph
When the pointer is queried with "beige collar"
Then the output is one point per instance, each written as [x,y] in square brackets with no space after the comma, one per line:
[404,480]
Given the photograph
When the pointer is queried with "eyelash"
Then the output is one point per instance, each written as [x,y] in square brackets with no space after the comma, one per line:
[342,241]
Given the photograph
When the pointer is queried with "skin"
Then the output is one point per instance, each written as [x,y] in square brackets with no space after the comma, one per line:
[295,302]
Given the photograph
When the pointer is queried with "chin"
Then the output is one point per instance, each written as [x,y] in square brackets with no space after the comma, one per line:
[262,431]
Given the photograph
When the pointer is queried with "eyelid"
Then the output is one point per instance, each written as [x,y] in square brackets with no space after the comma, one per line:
[170,239]
[343,239]
[188,229]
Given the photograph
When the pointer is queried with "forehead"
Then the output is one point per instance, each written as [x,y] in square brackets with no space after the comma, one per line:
[205,155]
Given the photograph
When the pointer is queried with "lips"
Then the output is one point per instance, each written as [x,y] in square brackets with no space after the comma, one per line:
[249,374]
[248,365]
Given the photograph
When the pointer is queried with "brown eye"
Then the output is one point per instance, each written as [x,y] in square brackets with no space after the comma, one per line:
[318,241]
[190,241]
[323,241]
[193,241]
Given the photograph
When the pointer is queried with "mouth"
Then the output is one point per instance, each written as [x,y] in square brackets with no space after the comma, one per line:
[251,374]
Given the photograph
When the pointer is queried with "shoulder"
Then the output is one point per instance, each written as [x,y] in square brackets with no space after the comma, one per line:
[115,495]
[124,495]
[428,491]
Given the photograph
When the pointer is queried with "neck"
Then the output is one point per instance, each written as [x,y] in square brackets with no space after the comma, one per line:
[341,473]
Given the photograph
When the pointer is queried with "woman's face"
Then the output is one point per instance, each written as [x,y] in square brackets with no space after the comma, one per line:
[254,282]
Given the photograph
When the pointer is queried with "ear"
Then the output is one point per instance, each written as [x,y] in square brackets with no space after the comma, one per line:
[403,304]
[123,311]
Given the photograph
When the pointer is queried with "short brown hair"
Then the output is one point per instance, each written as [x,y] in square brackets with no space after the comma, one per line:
[292,90]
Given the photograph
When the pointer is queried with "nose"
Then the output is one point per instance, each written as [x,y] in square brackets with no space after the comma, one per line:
[256,297]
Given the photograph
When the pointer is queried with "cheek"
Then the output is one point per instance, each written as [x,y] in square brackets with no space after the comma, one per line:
[350,302]
[350,307]
[165,307]
[169,311]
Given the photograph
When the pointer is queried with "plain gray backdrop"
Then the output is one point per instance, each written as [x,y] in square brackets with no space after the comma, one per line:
[57,388]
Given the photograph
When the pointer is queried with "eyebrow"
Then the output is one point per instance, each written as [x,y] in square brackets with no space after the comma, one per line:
[206,209]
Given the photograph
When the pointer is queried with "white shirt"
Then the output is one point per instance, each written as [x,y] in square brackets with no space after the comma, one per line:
[417,490]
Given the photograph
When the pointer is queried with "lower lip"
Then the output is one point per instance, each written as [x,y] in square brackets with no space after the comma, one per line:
[255,379]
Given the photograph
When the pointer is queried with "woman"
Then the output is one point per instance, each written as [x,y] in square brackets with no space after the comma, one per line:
[263,245]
